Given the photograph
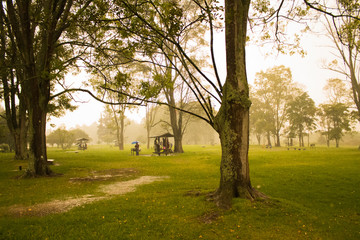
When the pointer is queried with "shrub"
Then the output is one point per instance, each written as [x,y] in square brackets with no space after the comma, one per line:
[4,147]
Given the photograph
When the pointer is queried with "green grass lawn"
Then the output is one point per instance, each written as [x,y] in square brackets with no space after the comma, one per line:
[314,194]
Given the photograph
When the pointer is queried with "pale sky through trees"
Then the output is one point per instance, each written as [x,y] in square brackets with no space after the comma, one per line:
[307,71]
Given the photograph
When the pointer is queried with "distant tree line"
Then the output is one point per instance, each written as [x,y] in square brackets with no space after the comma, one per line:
[65,138]
[280,108]
[195,131]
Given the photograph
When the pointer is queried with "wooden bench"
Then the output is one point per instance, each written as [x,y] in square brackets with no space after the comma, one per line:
[297,148]
[164,151]
[50,161]
[133,151]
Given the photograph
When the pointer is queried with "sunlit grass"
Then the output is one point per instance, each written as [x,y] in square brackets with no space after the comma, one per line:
[314,195]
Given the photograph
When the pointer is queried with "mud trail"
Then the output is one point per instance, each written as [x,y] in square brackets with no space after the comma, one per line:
[60,206]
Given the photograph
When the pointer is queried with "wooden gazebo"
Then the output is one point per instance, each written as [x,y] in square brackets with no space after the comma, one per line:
[162,144]
[82,143]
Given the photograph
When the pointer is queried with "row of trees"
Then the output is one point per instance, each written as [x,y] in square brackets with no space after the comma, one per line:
[281,108]
[42,40]
[65,138]
[157,121]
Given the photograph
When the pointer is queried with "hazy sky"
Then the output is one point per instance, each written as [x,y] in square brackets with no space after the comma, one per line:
[306,71]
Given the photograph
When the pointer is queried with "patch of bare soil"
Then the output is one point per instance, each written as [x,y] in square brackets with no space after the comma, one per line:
[120,188]
[106,174]
[59,206]
[55,206]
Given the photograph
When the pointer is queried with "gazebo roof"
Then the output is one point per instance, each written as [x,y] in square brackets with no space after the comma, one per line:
[82,139]
[164,135]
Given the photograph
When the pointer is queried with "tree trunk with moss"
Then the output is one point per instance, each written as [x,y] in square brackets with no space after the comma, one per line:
[38,100]
[232,120]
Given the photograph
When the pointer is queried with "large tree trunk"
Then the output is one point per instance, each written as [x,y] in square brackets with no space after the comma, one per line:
[175,121]
[20,136]
[327,141]
[354,83]
[258,137]
[232,120]
[178,148]
[268,139]
[38,165]
[20,141]
[277,144]
[16,120]
[122,126]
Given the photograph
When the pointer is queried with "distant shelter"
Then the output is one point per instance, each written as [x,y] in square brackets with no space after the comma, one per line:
[82,143]
[162,144]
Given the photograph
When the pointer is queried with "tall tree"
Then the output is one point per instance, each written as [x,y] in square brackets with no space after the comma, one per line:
[175,91]
[301,115]
[275,88]
[44,52]
[336,119]
[11,76]
[120,82]
[151,111]
[261,119]
[344,32]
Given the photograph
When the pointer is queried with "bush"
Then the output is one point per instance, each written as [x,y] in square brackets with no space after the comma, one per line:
[4,147]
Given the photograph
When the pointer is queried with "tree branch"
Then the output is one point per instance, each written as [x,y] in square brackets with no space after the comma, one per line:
[312,5]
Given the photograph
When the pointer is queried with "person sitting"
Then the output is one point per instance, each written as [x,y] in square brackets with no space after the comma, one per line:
[137,148]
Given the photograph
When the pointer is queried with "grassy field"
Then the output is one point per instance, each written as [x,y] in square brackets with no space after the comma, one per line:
[314,194]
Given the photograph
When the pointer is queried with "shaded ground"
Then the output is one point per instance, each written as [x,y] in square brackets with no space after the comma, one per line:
[59,206]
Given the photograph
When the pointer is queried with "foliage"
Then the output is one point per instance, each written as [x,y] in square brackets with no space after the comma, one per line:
[344,32]
[261,119]
[337,91]
[110,125]
[57,108]
[301,115]
[4,147]
[64,138]
[5,135]
[275,89]
[336,119]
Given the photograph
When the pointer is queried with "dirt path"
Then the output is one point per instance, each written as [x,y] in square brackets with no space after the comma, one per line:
[59,206]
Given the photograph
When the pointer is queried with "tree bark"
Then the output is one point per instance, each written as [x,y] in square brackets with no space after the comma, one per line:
[20,140]
[278,144]
[175,121]
[38,165]
[258,137]
[268,139]
[232,120]
[122,126]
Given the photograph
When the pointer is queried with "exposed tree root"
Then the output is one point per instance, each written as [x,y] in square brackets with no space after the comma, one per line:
[223,199]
